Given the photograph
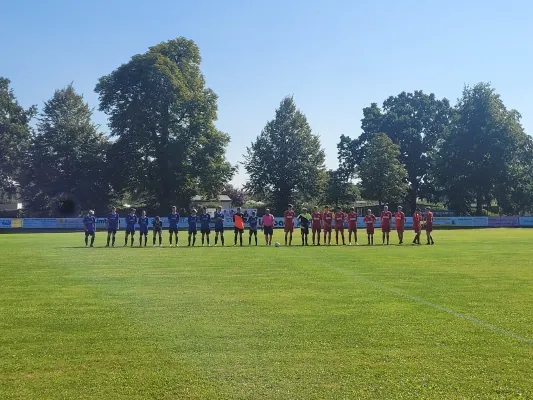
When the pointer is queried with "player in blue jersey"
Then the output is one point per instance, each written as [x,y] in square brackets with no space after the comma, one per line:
[173,221]
[113,225]
[89,222]
[131,221]
[252,223]
[193,223]
[205,225]
[143,229]
[219,225]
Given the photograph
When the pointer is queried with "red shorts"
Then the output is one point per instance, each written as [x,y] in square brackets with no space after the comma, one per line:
[369,231]
[416,228]
[400,229]
[327,228]
[317,229]
[352,228]
[385,228]
[289,228]
[429,227]
[339,228]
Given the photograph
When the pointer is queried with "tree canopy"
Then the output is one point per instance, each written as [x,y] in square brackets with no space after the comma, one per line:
[286,160]
[162,115]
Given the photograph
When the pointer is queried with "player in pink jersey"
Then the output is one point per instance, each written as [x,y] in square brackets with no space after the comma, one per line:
[267,224]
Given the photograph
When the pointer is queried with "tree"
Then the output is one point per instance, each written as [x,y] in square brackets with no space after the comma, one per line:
[162,114]
[415,122]
[383,178]
[238,195]
[486,154]
[286,160]
[15,135]
[67,171]
[339,190]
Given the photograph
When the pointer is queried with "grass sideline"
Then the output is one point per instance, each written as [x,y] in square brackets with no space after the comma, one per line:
[448,321]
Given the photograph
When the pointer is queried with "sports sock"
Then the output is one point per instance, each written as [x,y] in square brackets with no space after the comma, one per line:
[92,240]
[113,240]
[108,238]
[216,240]
[86,240]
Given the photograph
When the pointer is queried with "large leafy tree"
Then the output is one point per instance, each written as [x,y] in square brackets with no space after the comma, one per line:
[286,161]
[382,176]
[15,135]
[67,169]
[415,122]
[339,190]
[486,154]
[162,115]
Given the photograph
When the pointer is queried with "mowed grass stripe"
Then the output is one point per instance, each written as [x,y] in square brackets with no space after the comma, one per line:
[258,323]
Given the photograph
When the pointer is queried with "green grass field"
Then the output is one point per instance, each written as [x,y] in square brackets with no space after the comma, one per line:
[449,321]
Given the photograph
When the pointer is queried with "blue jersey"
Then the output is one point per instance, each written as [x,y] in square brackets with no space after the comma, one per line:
[173,220]
[143,224]
[205,219]
[219,220]
[252,221]
[90,223]
[131,220]
[113,221]
[193,220]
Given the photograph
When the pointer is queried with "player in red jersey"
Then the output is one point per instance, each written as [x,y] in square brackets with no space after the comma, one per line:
[386,218]
[429,225]
[352,226]
[316,226]
[288,221]
[327,217]
[417,225]
[339,226]
[370,220]
[399,223]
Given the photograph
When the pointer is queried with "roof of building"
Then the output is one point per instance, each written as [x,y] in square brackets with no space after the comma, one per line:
[222,197]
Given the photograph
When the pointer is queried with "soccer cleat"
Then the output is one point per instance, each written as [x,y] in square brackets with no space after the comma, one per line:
[92,245]
[154,245]
[160,245]
[357,244]
[216,245]
[106,245]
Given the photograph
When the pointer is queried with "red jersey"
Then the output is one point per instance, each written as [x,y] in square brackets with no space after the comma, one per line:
[327,217]
[339,219]
[417,219]
[352,220]
[369,220]
[429,218]
[288,217]
[316,217]
[399,219]
[386,217]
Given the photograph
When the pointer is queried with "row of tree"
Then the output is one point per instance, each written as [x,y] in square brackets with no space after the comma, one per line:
[163,148]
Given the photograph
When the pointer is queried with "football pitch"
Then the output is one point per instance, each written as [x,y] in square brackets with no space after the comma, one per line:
[449,321]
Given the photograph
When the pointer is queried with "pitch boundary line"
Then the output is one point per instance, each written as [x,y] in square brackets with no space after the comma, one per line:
[419,300]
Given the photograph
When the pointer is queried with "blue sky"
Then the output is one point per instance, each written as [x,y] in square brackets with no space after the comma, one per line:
[335,57]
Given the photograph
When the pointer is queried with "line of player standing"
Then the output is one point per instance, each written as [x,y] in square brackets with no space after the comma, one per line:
[327,221]
[318,221]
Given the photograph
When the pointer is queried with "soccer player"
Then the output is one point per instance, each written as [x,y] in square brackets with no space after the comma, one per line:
[113,225]
[268,226]
[288,222]
[339,226]
[386,217]
[305,220]
[158,230]
[238,223]
[89,222]
[173,221]
[429,225]
[252,223]
[193,221]
[219,225]
[327,217]
[205,225]
[399,223]
[316,225]
[370,220]
[417,222]
[131,221]
[143,228]
[352,226]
